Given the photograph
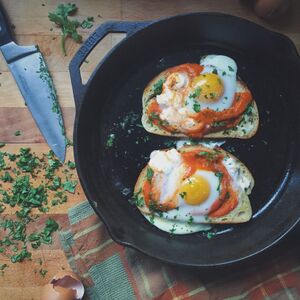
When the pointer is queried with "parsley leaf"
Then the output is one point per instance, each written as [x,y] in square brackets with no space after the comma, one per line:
[210,156]
[196,93]
[70,186]
[149,174]
[190,220]
[220,176]
[110,140]
[157,87]
[196,107]
[68,27]
[230,69]
[87,23]
[6,177]
[71,164]
[182,194]
[219,124]
[43,272]
[137,199]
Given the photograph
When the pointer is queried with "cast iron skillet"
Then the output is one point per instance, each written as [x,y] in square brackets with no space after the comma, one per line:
[268,62]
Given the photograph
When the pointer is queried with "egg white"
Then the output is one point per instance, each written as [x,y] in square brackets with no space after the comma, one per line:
[219,64]
[224,63]
[176,227]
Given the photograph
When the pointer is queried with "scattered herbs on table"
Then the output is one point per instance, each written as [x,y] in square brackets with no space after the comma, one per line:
[43,272]
[29,183]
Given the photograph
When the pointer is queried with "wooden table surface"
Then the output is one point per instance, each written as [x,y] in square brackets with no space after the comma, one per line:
[31,26]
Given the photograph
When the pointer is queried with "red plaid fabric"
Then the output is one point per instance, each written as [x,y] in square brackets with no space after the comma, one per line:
[111,271]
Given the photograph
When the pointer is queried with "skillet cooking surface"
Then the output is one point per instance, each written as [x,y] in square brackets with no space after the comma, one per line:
[111,147]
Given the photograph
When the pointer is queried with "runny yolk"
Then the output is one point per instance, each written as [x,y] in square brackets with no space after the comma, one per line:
[208,87]
[195,190]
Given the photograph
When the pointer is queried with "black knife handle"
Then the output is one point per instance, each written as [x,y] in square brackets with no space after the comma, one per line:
[108,27]
[5,31]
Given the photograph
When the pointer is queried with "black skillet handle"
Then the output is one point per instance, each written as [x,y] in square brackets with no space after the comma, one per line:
[5,32]
[109,27]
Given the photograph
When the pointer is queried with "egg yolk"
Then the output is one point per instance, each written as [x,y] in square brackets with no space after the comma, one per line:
[195,190]
[208,87]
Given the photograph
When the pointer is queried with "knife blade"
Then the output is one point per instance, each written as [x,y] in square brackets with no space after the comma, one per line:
[32,76]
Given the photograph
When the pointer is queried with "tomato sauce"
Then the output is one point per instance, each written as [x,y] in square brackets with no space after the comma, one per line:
[227,200]
[192,69]
[206,119]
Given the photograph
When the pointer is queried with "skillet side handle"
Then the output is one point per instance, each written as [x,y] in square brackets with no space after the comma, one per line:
[5,31]
[96,37]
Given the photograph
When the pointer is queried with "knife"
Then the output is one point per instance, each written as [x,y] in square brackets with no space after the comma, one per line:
[31,73]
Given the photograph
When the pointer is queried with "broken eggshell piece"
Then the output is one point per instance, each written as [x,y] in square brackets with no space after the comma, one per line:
[63,286]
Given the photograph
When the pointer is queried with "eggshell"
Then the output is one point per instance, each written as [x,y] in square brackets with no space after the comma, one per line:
[64,285]
[270,9]
[57,293]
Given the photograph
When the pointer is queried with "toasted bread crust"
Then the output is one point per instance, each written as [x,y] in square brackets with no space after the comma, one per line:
[242,213]
[246,131]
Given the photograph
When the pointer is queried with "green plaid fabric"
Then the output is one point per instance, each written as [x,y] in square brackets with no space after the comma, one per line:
[110,271]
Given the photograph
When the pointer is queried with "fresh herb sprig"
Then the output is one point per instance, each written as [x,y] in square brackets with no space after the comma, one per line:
[60,16]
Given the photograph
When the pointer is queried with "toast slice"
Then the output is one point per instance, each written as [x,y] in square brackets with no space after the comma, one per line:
[240,214]
[246,128]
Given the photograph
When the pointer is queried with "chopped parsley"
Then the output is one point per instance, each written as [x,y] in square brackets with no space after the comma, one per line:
[17,133]
[215,71]
[210,156]
[157,87]
[71,165]
[149,174]
[212,95]
[27,195]
[182,194]
[110,141]
[27,162]
[209,235]
[230,69]
[220,176]
[218,124]
[2,145]
[137,199]
[227,195]
[2,161]
[190,220]
[6,177]
[19,257]
[196,107]
[87,23]
[196,93]
[70,186]
[173,229]
[43,272]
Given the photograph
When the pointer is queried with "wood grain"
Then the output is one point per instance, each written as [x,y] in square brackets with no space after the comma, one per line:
[31,26]
[19,118]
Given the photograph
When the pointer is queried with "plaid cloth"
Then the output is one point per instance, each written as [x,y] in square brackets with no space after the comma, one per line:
[110,271]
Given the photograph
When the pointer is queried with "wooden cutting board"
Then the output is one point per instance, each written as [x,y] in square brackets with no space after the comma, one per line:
[31,26]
